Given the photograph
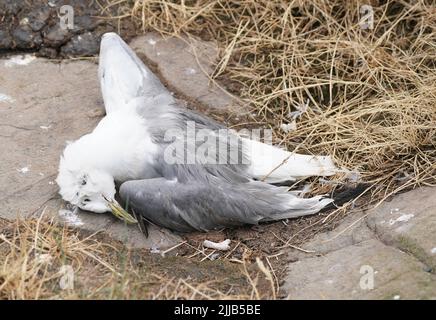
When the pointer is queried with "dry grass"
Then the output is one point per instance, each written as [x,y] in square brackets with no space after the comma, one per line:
[370,92]
[371,104]
[36,256]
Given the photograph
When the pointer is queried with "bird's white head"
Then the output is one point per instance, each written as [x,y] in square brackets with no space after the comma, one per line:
[82,185]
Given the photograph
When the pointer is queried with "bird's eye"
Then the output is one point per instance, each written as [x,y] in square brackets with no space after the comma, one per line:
[86,200]
[83,182]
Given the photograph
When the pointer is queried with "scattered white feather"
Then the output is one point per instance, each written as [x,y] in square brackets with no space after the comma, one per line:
[5,98]
[397,297]
[45,127]
[433,251]
[306,189]
[24,21]
[20,60]
[353,176]
[155,249]
[301,108]
[222,246]
[291,126]
[403,176]
[151,42]
[43,258]
[327,182]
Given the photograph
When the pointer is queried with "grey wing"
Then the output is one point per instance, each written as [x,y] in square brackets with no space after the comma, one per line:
[182,207]
[203,206]
[213,151]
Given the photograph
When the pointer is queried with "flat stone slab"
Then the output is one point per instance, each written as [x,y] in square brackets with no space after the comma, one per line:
[186,65]
[341,275]
[43,104]
[408,221]
[393,244]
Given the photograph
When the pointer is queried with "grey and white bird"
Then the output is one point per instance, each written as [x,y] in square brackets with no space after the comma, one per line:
[144,145]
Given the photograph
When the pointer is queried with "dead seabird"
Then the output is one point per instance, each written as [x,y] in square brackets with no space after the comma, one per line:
[150,145]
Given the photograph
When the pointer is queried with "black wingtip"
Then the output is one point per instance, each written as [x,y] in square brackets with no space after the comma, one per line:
[345,194]
[142,224]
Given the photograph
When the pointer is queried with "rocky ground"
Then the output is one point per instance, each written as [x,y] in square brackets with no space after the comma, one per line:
[387,253]
[32,25]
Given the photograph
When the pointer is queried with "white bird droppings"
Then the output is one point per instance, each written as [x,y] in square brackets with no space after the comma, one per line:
[23,170]
[402,218]
[70,217]
[222,246]
[151,42]
[397,297]
[395,210]
[190,71]
[5,98]
[433,251]
[20,60]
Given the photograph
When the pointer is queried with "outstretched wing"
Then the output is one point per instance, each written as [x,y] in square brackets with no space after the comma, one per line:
[123,76]
[213,204]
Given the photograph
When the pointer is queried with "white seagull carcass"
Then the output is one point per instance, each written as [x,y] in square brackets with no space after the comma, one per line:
[150,145]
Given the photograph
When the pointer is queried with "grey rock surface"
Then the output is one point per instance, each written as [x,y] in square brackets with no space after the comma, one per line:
[408,222]
[394,244]
[43,105]
[186,65]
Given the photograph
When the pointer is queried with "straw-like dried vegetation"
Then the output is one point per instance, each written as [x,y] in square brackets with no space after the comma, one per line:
[42,260]
[367,91]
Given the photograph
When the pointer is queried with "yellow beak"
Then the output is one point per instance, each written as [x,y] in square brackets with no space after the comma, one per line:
[119,212]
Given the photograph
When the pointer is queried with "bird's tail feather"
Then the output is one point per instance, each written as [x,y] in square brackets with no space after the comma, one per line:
[298,207]
[274,165]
